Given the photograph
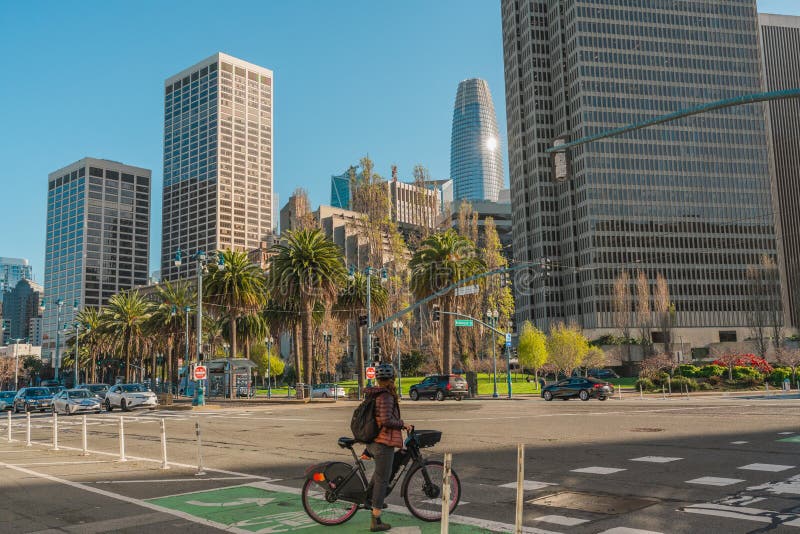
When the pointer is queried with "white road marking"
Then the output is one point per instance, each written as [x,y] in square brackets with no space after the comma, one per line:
[734,512]
[438,502]
[528,485]
[160,480]
[562,520]
[785,433]
[790,486]
[127,499]
[739,442]
[598,470]
[656,459]
[772,468]
[715,481]
[29,464]
[626,530]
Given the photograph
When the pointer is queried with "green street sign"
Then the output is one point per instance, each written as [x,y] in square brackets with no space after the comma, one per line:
[463,322]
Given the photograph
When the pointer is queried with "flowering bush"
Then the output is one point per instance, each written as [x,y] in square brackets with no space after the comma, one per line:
[745,360]
[712,370]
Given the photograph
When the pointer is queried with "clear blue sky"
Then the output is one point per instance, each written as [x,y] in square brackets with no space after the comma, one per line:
[351,78]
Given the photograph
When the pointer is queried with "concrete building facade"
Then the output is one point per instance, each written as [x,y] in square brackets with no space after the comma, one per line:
[779,34]
[689,199]
[12,270]
[218,160]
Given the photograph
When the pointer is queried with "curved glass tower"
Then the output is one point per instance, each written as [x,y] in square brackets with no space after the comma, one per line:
[476,161]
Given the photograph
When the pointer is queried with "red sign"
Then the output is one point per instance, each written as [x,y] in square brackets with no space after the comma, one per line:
[370,373]
[200,372]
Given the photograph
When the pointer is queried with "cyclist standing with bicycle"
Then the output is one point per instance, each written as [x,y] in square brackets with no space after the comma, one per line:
[382,450]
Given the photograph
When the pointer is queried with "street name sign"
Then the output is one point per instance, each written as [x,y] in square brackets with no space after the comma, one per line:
[463,322]
[466,290]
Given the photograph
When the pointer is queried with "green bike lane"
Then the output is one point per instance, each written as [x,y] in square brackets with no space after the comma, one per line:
[266,508]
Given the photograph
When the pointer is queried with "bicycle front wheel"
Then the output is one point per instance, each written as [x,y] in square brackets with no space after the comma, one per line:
[324,508]
[423,496]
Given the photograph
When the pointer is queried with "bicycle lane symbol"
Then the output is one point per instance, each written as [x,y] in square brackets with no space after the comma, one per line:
[263,511]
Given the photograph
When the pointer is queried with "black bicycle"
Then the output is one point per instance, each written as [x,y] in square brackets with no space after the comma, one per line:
[334,491]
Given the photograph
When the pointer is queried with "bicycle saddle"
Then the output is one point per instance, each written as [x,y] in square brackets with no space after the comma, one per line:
[346,443]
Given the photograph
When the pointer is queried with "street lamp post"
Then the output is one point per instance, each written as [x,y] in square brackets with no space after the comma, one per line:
[397,328]
[16,361]
[59,305]
[269,367]
[368,272]
[202,261]
[492,317]
[327,336]
[75,309]
[186,347]
[508,361]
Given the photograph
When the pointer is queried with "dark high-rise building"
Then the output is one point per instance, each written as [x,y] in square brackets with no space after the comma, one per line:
[20,305]
[689,199]
[780,42]
[476,160]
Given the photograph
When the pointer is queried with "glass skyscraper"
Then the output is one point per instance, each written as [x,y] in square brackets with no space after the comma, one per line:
[218,145]
[689,199]
[12,270]
[476,161]
[98,234]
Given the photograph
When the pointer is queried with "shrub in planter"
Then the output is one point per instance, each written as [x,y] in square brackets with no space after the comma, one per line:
[705,386]
[688,370]
[779,374]
[741,372]
[661,379]
[681,383]
[712,370]
[645,384]
[751,381]
[713,380]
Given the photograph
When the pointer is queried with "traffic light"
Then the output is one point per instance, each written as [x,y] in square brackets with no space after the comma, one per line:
[437,315]
[362,320]
[376,349]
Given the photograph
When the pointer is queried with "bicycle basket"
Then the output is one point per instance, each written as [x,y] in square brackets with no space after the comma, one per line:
[427,438]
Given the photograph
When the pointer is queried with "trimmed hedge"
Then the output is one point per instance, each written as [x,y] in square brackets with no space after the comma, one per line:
[712,370]
[688,370]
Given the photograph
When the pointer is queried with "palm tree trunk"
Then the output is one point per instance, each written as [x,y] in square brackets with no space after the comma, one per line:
[359,356]
[127,362]
[296,348]
[93,373]
[307,347]
[447,337]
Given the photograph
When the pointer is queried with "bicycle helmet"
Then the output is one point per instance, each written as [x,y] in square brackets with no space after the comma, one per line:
[384,371]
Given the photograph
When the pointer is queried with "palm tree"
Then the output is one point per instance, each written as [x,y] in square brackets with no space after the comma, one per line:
[442,260]
[238,289]
[168,321]
[124,320]
[307,269]
[352,303]
[91,337]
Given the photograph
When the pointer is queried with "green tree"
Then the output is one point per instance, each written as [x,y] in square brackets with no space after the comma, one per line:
[167,323]
[307,269]
[532,349]
[566,347]
[92,337]
[237,290]
[124,320]
[352,303]
[259,356]
[442,260]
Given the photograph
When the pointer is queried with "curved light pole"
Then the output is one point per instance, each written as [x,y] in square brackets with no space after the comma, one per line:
[57,363]
[397,329]
[491,318]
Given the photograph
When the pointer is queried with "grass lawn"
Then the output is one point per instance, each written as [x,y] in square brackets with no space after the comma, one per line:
[624,382]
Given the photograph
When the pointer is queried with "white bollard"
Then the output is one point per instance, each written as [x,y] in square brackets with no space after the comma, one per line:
[28,430]
[164,464]
[641,394]
[520,488]
[122,441]
[84,438]
[9,427]
[200,470]
[55,431]
[620,392]
[448,460]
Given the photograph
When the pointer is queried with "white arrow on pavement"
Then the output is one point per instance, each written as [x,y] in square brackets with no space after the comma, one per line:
[239,502]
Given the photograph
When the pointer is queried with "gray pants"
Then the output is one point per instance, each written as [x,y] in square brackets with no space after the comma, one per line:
[383,455]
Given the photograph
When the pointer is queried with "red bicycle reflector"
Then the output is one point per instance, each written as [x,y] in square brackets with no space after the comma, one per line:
[319,477]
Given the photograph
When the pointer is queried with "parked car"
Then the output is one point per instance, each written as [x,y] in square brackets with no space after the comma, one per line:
[7,400]
[29,399]
[605,374]
[54,390]
[72,401]
[583,388]
[128,396]
[440,387]
[98,390]
[48,383]
[325,391]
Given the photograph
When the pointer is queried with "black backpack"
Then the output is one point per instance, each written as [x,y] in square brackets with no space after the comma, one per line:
[364,424]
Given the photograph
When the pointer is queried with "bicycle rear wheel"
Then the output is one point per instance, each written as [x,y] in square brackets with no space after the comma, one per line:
[319,506]
[423,499]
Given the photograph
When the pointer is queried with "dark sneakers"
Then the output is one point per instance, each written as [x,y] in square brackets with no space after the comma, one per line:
[378,526]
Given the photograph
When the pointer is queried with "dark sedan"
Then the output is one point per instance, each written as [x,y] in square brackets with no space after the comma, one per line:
[30,399]
[583,388]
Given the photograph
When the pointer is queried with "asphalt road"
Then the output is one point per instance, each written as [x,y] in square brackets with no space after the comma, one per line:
[701,465]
